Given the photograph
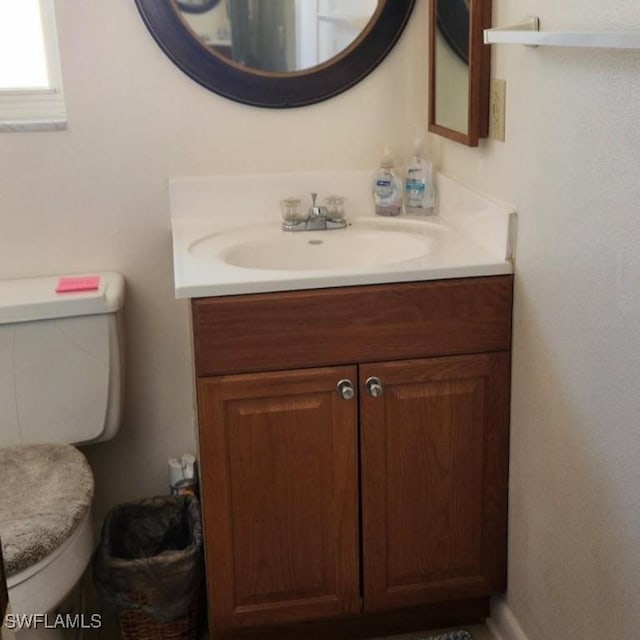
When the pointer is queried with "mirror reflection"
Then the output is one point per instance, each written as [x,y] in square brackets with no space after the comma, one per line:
[277,36]
[452,65]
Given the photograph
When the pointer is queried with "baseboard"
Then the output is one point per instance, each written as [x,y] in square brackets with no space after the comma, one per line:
[502,623]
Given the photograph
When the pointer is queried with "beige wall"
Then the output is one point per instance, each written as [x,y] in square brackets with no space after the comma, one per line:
[95,197]
[571,166]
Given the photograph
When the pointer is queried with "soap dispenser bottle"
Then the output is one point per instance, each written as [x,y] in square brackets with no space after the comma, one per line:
[387,188]
[419,192]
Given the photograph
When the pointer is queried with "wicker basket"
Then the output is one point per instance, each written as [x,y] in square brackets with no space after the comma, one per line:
[138,625]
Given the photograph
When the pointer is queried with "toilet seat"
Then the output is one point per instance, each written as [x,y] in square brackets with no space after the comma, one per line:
[45,490]
[40,587]
[45,523]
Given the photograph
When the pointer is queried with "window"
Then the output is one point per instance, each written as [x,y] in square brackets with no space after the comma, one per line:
[31,96]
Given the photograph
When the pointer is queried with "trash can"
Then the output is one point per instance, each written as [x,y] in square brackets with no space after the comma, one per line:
[149,567]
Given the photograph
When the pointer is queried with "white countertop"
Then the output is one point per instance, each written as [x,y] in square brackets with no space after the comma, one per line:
[471,235]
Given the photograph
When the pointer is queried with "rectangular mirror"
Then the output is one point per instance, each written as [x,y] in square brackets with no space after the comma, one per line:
[459,69]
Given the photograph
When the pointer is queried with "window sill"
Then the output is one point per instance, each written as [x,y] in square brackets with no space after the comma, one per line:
[17,126]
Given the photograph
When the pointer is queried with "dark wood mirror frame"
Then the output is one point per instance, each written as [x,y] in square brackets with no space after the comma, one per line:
[275,90]
[479,60]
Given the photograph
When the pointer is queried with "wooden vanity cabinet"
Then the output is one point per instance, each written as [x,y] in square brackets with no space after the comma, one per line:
[318,507]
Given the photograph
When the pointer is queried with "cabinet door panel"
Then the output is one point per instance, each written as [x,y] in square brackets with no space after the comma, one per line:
[280,495]
[434,460]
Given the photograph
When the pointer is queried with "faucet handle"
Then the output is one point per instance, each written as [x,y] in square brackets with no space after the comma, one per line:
[316,211]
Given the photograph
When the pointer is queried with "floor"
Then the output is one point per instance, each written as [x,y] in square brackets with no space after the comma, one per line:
[479,632]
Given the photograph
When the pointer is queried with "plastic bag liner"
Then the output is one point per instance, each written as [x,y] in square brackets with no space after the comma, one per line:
[150,556]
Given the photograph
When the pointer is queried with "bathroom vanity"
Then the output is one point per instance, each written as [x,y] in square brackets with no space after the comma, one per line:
[353,438]
[353,445]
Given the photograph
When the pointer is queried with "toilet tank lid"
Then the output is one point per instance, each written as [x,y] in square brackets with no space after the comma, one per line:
[27,299]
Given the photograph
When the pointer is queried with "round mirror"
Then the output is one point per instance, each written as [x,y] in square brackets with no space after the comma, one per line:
[276,53]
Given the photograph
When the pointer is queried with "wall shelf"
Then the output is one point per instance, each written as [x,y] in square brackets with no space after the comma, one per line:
[528,33]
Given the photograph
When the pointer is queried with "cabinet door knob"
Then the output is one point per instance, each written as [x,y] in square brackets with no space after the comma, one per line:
[345,389]
[374,387]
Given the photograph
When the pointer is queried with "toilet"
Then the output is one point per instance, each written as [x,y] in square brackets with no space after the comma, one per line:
[61,378]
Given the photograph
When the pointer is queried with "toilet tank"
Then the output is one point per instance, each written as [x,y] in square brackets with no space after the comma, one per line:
[61,361]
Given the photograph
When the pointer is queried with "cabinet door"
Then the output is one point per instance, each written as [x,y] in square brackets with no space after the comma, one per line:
[279,490]
[434,484]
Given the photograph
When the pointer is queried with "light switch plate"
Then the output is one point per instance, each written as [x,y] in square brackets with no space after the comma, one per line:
[497,107]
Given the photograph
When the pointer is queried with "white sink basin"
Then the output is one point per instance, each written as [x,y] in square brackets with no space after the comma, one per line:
[227,238]
[276,250]
[231,256]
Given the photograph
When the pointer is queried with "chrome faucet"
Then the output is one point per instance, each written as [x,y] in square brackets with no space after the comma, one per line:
[318,219]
